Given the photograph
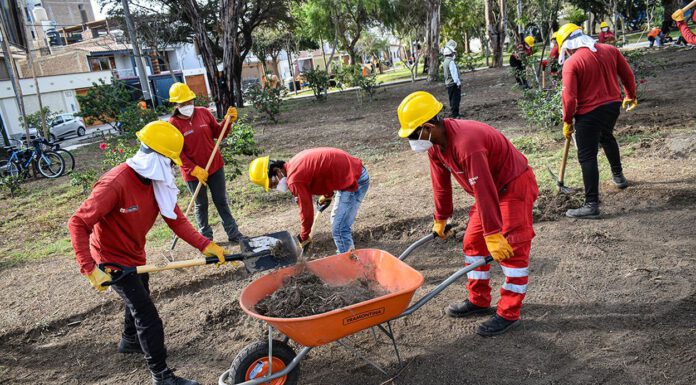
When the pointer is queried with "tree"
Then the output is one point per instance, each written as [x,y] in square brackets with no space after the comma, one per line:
[408,24]
[496,20]
[372,45]
[104,102]
[269,42]
[463,20]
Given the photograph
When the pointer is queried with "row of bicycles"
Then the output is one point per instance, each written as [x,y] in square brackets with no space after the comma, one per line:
[41,156]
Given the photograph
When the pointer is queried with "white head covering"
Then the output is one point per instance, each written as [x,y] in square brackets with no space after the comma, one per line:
[576,40]
[157,168]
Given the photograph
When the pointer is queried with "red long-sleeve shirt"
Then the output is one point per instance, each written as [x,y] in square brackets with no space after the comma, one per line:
[110,226]
[590,80]
[605,37]
[320,171]
[200,133]
[553,55]
[483,161]
[686,32]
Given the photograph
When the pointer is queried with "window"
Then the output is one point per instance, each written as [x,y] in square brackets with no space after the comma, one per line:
[99,63]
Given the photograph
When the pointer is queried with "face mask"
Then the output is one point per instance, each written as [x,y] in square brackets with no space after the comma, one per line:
[605,29]
[421,145]
[186,110]
[282,185]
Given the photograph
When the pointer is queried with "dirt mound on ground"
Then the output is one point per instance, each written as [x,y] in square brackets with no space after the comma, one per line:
[551,205]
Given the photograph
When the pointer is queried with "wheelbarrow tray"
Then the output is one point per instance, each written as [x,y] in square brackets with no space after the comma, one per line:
[399,279]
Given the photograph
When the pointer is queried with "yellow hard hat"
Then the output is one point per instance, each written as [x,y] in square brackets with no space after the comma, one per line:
[258,172]
[529,40]
[416,109]
[604,25]
[163,138]
[553,36]
[180,93]
[564,32]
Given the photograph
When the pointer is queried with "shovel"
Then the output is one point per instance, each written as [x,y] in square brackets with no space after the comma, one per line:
[260,253]
[559,181]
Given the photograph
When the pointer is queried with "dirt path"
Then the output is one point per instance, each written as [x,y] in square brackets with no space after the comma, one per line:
[610,301]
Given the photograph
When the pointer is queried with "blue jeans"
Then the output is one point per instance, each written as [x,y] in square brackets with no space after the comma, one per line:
[345,209]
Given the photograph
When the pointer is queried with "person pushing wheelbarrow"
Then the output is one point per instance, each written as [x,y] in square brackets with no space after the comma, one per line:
[498,176]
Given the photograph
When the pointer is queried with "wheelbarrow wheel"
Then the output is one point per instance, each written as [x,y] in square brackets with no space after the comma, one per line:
[252,362]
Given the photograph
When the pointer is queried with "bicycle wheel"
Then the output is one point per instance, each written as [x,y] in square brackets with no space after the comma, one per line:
[68,158]
[9,169]
[50,164]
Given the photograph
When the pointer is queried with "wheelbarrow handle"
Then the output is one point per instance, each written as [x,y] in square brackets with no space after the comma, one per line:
[425,240]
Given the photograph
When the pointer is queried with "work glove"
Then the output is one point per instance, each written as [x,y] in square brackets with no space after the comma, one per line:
[439,228]
[568,130]
[305,243]
[213,250]
[498,247]
[629,103]
[200,174]
[678,15]
[324,201]
[97,277]
[232,114]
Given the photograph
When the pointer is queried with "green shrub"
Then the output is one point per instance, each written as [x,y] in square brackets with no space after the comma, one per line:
[576,16]
[11,186]
[267,100]
[319,83]
[542,108]
[34,120]
[84,179]
[117,151]
[203,101]
[466,62]
[239,147]
[353,77]
[134,118]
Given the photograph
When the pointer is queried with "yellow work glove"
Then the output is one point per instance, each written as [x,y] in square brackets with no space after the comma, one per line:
[439,228]
[498,246]
[305,244]
[200,174]
[213,250]
[232,114]
[323,202]
[97,277]
[568,130]
[629,103]
[678,15]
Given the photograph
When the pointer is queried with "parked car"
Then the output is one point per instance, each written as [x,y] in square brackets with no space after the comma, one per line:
[62,126]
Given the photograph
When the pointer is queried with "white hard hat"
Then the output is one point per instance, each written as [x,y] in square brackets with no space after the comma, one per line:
[451,44]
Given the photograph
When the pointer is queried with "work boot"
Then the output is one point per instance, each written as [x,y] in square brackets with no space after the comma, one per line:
[620,181]
[496,325]
[128,346]
[465,309]
[587,211]
[167,377]
[236,239]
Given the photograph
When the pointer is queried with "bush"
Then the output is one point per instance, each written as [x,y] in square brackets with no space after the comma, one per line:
[134,118]
[576,16]
[267,100]
[466,62]
[117,152]
[34,120]
[84,179]
[203,101]
[319,83]
[352,76]
[238,147]
[10,186]
[104,102]
[542,108]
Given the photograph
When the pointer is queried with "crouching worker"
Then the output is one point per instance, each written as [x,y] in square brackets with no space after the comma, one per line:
[111,225]
[321,172]
[504,187]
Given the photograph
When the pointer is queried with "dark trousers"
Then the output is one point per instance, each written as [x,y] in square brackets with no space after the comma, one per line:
[455,96]
[592,130]
[216,184]
[141,321]
[519,68]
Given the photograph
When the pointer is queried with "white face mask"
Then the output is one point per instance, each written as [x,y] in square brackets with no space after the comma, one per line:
[282,185]
[186,110]
[421,145]
[605,29]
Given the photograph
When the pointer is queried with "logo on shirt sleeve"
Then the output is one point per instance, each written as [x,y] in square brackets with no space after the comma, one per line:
[128,210]
[189,132]
[472,180]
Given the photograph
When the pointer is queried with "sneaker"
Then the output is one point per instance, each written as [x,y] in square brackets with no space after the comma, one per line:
[465,309]
[167,377]
[128,346]
[586,211]
[620,181]
[496,325]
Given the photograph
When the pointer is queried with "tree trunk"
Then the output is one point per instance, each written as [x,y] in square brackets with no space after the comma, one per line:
[333,52]
[169,66]
[230,12]
[670,6]
[496,30]
[433,39]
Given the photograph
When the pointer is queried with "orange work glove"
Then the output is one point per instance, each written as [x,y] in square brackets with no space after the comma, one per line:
[678,15]
[213,250]
[498,246]
[439,228]
[200,174]
[232,114]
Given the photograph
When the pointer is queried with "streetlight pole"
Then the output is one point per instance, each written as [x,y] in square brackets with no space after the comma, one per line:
[144,84]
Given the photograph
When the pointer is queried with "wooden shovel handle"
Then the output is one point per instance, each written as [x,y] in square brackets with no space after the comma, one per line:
[171,265]
[564,161]
[689,6]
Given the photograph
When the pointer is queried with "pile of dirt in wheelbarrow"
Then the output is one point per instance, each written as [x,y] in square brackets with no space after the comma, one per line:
[306,294]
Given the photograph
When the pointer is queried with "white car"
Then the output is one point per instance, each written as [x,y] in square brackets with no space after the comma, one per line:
[63,125]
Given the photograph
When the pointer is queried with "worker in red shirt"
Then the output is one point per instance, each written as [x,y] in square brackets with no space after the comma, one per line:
[686,32]
[200,130]
[322,172]
[605,34]
[488,167]
[111,226]
[519,58]
[591,105]
[552,60]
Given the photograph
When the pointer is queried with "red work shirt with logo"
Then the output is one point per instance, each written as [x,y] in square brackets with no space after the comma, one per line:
[200,132]
[590,80]
[686,32]
[111,225]
[320,171]
[483,161]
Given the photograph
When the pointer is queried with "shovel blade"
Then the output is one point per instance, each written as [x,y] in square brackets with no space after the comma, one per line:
[561,188]
[270,251]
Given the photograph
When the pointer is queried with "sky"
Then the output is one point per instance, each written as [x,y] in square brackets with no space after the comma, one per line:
[97,13]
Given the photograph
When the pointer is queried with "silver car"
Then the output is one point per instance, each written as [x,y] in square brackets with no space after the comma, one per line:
[63,125]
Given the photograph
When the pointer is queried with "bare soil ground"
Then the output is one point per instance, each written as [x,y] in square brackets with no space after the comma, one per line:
[611,301]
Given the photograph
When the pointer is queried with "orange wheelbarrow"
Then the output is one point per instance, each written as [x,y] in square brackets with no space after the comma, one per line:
[275,362]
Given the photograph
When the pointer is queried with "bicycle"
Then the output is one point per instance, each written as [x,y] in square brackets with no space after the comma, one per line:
[67,156]
[48,163]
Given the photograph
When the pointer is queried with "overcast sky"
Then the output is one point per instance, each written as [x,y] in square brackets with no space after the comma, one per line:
[97,14]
